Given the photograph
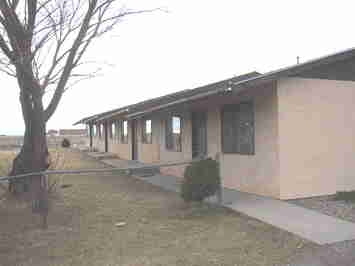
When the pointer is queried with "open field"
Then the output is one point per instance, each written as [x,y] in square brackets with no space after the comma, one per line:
[6,158]
[12,142]
[160,229]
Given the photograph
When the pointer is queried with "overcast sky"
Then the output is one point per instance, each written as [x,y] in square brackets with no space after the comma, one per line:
[196,43]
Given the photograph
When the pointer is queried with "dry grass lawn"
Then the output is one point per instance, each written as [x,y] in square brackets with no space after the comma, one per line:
[159,230]
[6,158]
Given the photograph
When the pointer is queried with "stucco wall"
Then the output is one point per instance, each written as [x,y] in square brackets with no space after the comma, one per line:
[317,136]
[258,173]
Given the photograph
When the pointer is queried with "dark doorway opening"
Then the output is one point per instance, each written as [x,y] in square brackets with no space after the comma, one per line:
[106,136]
[90,134]
[199,135]
[134,140]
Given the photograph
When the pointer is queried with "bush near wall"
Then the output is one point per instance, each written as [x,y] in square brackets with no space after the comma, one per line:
[201,180]
[345,195]
[65,143]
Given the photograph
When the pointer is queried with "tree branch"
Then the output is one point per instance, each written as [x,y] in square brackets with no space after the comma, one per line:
[69,63]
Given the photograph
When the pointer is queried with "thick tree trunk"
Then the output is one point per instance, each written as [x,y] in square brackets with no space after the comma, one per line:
[34,156]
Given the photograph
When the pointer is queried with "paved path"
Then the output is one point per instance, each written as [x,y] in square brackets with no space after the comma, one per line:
[309,224]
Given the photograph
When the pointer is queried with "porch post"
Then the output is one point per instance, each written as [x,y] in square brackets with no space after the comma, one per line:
[106,136]
[90,134]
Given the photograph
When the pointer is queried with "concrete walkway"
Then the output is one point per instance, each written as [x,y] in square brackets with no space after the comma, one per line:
[308,224]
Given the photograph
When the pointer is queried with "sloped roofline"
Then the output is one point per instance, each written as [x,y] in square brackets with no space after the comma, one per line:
[298,68]
[235,84]
[172,97]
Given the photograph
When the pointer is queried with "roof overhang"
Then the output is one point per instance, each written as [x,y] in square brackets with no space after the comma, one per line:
[233,85]
[109,116]
[296,69]
[177,102]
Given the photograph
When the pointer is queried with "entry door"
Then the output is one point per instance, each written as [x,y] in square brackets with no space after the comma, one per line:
[134,140]
[199,134]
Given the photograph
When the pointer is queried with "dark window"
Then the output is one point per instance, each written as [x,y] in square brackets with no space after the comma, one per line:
[173,133]
[117,126]
[88,129]
[124,131]
[94,128]
[101,130]
[112,130]
[238,128]
[147,131]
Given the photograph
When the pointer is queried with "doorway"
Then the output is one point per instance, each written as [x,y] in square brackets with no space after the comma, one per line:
[134,140]
[106,136]
[199,134]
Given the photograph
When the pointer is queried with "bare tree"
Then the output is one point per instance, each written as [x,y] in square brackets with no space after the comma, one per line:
[42,44]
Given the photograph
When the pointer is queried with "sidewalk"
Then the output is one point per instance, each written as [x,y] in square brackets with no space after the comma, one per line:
[308,224]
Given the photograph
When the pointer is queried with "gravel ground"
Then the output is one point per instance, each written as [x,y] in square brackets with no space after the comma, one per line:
[341,253]
[329,206]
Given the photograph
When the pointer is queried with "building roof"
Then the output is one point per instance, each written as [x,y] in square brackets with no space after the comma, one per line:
[298,68]
[166,99]
[235,84]
[72,132]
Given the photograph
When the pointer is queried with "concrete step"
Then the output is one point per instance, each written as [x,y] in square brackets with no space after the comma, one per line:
[145,172]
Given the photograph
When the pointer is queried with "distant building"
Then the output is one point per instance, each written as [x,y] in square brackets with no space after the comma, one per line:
[72,132]
[52,132]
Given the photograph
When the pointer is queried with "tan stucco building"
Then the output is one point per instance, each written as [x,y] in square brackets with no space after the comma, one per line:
[287,134]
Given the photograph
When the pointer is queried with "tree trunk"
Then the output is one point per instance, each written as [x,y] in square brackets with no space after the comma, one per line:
[34,156]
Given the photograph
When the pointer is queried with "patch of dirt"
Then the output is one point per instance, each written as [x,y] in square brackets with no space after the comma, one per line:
[337,208]
[119,220]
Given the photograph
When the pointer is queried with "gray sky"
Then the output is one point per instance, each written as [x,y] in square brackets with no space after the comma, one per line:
[196,43]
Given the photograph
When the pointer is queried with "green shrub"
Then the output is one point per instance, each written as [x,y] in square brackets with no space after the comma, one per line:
[345,195]
[65,143]
[201,180]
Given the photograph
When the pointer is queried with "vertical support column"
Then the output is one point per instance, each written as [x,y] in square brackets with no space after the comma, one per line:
[106,136]
[220,190]
[90,134]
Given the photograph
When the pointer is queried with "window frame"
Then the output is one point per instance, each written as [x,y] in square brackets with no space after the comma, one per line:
[94,130]
[101,131]
[124,138]
[112,131]
[169,134]
[117,131]
[236,146]
[145,139]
